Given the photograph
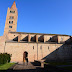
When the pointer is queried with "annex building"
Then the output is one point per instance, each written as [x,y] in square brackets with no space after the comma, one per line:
[50,47]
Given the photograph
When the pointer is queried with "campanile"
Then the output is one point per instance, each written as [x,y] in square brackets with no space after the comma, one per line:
[11,19]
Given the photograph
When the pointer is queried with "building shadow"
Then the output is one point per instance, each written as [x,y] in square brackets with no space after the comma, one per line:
[15,39]
[49,69]
[61,54]
[33,39]
[41,38]
[25,39]
[53,39]
[36,63]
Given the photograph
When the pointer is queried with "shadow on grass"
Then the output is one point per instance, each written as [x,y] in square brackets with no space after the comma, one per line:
[47,69]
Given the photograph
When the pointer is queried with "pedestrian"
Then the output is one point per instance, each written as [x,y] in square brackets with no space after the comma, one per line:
[27,61]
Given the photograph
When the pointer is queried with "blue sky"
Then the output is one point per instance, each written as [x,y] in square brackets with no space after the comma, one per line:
[40,16]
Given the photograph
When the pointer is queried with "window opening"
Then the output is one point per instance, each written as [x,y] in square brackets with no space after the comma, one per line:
[33,47]
[12,11]
[10,26]
[10,22]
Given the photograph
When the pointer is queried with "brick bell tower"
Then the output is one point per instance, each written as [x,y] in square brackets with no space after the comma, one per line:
[11,19]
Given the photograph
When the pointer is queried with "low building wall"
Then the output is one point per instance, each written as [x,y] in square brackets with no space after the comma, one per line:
[2,44]
[55,52]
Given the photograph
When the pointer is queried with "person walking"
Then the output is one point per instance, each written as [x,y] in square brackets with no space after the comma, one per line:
[26,61]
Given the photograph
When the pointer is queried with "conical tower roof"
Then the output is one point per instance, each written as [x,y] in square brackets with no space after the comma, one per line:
[13,5]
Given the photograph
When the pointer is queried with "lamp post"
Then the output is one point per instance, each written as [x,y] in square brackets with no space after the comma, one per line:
[5,42]
[4,46]
[37,50]
[37,45]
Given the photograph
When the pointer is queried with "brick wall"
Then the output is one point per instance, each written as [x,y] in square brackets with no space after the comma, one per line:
[40,51]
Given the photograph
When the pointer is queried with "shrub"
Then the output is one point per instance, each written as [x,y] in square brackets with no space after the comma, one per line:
[4,58]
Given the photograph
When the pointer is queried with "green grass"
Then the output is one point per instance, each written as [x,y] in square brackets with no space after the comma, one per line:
[6,66]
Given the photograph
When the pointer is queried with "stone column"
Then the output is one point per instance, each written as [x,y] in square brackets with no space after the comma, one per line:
[29,38]
[58,39]
[44,39]
[19,37]
[37,38]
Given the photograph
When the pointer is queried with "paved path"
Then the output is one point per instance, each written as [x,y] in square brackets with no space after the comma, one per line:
[33,67]
[22,66]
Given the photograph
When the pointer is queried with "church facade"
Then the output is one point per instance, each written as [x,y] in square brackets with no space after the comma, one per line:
[48,47]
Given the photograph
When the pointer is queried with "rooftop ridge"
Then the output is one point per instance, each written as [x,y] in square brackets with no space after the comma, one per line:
[39,33]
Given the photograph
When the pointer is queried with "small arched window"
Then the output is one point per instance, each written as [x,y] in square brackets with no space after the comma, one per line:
[40,47]
[10,22]
[33,47]
[61,39]
[48,47]
[12,11]
[10,26]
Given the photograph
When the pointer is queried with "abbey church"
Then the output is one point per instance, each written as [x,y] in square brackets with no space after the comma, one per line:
[49,47]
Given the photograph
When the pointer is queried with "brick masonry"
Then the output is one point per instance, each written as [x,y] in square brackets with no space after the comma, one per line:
[50,47]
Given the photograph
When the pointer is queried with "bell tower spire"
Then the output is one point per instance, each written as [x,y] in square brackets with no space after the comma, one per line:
[11,19]
[13,6]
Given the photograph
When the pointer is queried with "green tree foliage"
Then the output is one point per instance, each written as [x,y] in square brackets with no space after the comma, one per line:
[4,58]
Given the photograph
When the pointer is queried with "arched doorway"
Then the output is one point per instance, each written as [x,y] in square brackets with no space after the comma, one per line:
[25,55]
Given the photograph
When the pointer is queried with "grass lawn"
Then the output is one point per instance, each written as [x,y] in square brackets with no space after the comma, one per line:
[6,66]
